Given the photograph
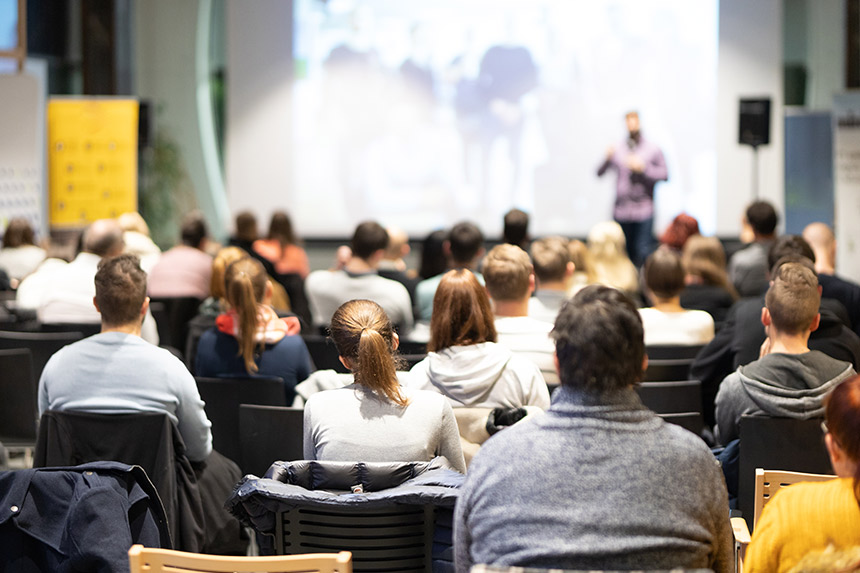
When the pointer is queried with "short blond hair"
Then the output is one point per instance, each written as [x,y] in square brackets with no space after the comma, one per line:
[506,272]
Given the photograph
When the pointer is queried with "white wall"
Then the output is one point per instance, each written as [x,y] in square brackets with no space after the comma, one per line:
[258,112]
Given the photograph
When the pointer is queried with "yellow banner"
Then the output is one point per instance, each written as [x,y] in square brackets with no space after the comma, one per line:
[92,160]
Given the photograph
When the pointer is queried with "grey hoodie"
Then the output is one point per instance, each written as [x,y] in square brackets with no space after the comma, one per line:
[482,375]
[779,385]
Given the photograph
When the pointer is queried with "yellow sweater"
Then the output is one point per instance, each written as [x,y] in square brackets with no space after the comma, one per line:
[802,518]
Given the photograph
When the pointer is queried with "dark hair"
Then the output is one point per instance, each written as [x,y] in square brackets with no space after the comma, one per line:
[246,226]
[516,227]
[18,233]
[664,273]
[461,312]
[762,217]
[363,334]
[281,229]
[433,260]
[465,240]
[193,230]
[245,284]
[788,245]
[120,289]
[102,237]
[550,256]
[599,341]
[369,237]
[793,298]
[842,413]
[506,272]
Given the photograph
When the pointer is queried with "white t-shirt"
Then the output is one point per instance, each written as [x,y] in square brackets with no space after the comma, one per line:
[690,327]
[327,290]
[529,338]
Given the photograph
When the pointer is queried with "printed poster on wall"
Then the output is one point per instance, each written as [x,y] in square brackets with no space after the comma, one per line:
[92,159]
[846,153]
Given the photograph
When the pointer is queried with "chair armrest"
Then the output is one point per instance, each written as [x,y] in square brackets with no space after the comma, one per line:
[742,539]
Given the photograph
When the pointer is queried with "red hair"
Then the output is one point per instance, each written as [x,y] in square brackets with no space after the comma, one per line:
[842,412]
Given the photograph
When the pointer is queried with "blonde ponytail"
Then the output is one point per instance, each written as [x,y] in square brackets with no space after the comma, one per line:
[245,284]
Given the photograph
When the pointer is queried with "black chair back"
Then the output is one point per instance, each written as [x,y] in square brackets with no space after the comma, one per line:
[223,397]
[19,412]
[692,421]
[673,351]
[323,353]
[294,285]
[667,370]
[42,345]
[777,444]
[268,434]
[671,397]
[85,328]
[172,315]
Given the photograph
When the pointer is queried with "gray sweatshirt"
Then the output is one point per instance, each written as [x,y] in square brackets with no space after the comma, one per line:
[779,385]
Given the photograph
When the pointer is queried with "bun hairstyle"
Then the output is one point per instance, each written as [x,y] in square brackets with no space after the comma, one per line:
[364,335]
[245,284]
[842,412]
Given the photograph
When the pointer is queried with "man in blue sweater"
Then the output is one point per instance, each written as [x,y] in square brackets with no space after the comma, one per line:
[599,482]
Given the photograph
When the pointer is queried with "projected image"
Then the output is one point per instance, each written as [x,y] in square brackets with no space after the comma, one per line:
[423,114]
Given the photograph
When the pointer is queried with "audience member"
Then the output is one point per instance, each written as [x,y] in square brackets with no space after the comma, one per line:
[554,273]
[250,338]
[327,290]
[516,228]
[33,287]
[464,247]
[245,233]
[375,419]
[464,362]
[708,286]
[612,266]
[281,248]
[186,269]
[667,322]
[116,372]
[135,236]
[600,482]
[20,256]
[741,336]
[820,238]
[510,282]
[433,260]
[583,267]
[681,229]
[393,266]
[788,380]
[748,267]
[813,516]
[69,297]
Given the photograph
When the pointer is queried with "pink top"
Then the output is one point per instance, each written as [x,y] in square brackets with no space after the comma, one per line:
[181,271]
[291,259]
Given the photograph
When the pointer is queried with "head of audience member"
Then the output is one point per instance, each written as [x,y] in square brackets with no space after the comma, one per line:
[631,118]
[704,261]
[281,229]
[664,275]
[398,244]
[121,292]
[247,285]
[552,265]
[462,314]
[516,228]
[679,231]
[612,266]
[369,242]
[465,244]
[193,231]
[787,246]
[599,341]
[510,279]
[223,259]
[793,299]
[580,256]
[103,238]
[842,419]
[19,233]
[433,259]
[133,222]
[366,342]
[246,227]
[762,219]
[823,243]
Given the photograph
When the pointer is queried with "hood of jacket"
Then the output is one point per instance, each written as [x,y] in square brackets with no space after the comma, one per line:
[468,373]
[793,385]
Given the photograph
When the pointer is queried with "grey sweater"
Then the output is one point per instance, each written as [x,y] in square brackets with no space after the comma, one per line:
[600,482]
[781,385]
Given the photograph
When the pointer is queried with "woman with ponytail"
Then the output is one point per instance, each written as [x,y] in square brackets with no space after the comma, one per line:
[250,338]
[375,419]
[811,516]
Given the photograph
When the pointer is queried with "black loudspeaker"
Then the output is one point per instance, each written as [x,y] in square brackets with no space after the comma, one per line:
[754,122]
